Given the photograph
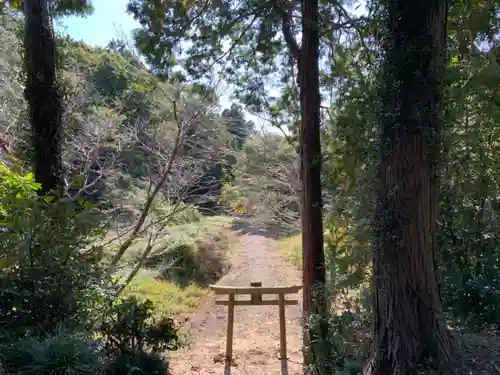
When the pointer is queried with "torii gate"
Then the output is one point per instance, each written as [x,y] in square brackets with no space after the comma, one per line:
[256,290]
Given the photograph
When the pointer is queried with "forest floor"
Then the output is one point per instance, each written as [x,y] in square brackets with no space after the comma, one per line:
[256,328]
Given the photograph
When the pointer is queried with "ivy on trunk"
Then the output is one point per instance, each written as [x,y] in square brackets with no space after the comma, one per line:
[409,327]
[42,95]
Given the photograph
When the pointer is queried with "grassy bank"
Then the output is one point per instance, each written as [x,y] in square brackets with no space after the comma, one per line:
[176,275]
[291,249]
[169,298]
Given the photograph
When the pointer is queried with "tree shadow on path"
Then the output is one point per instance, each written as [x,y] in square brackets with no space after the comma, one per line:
[254,227]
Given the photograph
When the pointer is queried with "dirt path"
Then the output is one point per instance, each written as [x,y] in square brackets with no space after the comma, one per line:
[256,328]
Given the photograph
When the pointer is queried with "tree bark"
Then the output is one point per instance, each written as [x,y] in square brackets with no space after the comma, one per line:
[310,155]
[311,204]
[42,95]
[409,327]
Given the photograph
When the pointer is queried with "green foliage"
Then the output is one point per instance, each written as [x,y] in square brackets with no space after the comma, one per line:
[135,340]
[237,126]
[61,353]
[130,327]
[340,353]
[115,105]
[129,119]
[338,338]
[141,363]
[346,258]
[46,279]
[262,40]
[169,298]
[265,181]
[178,213]
[202,262]
[261,150]
[59,8]
[467,242]
[350,150]
[234,199]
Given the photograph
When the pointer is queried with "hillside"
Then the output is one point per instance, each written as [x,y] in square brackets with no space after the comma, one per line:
[150,156]
[157,160]
[122,123]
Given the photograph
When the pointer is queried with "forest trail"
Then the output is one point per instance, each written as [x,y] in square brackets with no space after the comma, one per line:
[256,328]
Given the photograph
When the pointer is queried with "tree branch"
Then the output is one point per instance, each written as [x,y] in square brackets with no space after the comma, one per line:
[286,29]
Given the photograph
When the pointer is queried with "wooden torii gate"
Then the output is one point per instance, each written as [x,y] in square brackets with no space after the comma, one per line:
[256,291]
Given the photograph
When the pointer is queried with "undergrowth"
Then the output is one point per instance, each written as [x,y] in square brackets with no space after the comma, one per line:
[291,249]
[345,348]
[60,309]
[176,275]
[167,297]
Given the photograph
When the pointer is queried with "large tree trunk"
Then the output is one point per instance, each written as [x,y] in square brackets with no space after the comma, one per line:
[310,150]
[42,95]
[409,326]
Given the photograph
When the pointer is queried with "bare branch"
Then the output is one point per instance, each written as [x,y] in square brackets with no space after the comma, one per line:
[176,167]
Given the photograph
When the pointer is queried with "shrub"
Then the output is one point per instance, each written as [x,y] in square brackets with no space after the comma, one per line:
[178,213]
[46,279]
[135,339]
[234,199]
[212,260]
[472,301]
[339,353]
[468,260]
[61,353]
[138,364]
[130,327]
[184,266]
[202,262]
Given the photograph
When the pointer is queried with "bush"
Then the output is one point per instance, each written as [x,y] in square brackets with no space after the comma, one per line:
[135,339]
[46,280]
[234,199]
[472,301]
[178,213]
[138,364]
[130,327]
[202,262]
[340,353]
[62,353]
[468,261]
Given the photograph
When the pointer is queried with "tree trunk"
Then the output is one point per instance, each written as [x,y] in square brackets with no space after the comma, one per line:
[409,326]
[41,92]
[310,150]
